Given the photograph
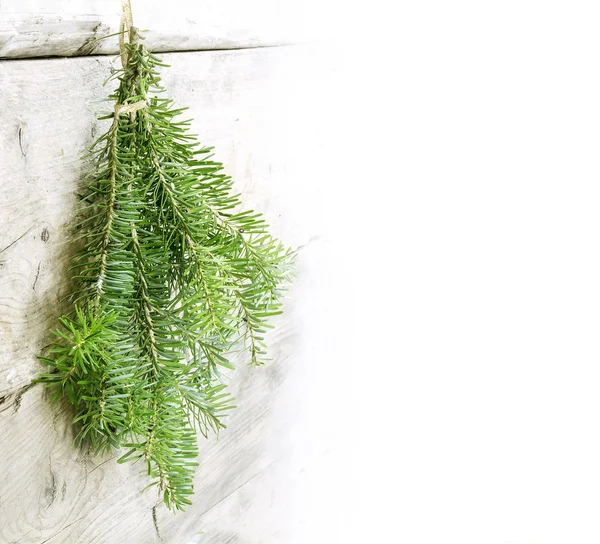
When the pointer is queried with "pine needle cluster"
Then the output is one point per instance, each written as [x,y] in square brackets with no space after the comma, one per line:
[171,280]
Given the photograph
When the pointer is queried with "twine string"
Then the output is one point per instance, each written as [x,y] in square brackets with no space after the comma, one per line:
[127,27]
[132,107]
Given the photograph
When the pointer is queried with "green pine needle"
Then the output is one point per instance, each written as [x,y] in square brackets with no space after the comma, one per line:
[170,279]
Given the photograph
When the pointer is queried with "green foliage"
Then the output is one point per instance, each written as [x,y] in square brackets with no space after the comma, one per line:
[170,279]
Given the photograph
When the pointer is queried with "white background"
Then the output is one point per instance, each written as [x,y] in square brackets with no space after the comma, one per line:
[467,273]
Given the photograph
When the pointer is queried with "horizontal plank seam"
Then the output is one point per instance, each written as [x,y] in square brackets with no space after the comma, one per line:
[160,52]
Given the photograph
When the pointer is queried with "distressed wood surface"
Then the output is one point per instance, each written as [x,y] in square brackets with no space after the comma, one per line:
[48,111]
[256,107]
[29,28]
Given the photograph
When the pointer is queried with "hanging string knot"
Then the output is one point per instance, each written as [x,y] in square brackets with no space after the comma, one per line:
[130,108]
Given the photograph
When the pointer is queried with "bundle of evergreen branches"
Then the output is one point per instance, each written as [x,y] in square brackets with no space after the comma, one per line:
[171,279]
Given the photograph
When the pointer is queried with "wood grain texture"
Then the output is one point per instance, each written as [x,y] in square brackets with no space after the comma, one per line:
[256,108]
[29,28]
[48,109]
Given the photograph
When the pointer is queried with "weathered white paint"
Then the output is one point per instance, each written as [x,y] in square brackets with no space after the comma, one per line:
[257,107]
[29,28]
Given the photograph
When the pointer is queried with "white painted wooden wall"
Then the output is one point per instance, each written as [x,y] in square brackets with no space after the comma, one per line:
[262,109]
[30,28]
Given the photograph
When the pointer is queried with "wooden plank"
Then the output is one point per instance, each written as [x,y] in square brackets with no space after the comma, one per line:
[68,28]
[53,490]
[48,114]
[256,107]
[51,487]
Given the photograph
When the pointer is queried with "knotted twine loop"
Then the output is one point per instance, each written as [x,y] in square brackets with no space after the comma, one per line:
[130,108]
[127,26]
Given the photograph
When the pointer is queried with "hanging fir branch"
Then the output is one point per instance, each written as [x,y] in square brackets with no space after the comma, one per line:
[171,278]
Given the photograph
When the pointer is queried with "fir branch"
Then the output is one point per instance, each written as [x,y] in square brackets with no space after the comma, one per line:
[170,278]
[113,135]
